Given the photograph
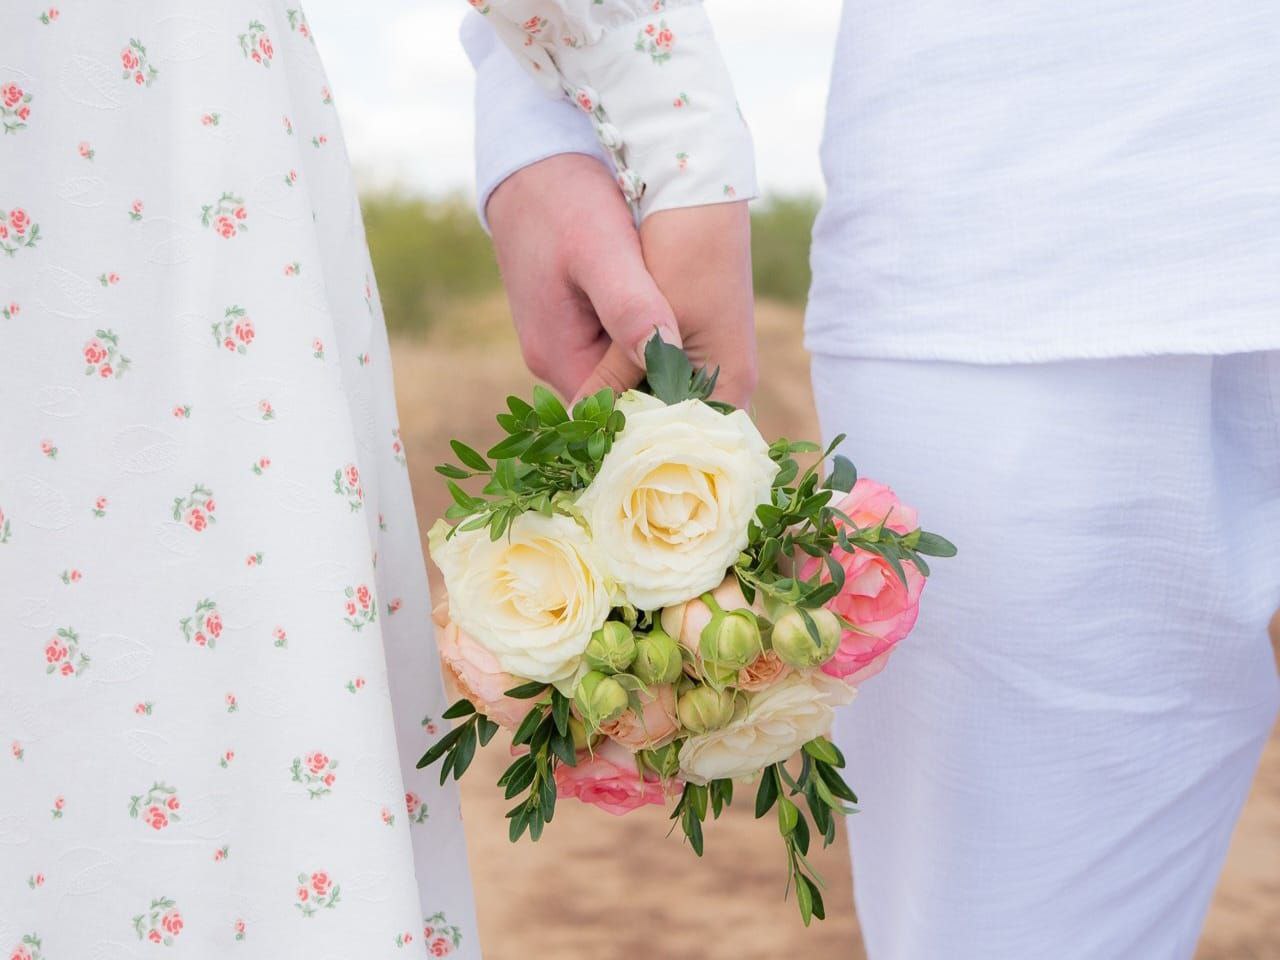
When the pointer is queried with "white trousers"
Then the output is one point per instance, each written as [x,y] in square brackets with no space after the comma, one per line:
[1052,763]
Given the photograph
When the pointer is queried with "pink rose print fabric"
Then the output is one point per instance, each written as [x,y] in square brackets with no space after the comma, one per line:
[210,697]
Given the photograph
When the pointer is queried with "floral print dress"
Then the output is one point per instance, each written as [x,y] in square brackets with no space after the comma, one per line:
[208,551]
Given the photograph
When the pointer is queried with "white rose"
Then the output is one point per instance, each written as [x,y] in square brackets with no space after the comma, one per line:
[777,722]
[532,598]
[669,508]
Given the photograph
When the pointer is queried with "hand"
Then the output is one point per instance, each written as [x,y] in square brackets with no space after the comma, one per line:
[582,300]
[700,257]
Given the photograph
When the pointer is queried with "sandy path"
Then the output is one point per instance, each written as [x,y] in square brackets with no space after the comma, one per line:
[600,888]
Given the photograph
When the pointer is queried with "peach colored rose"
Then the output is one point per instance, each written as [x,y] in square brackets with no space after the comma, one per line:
[874,599]
[683,622]
[766,670]
[610,779]
[654,727]
[475,672]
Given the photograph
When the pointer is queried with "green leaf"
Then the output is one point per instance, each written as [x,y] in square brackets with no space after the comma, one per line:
[519,408]
[439,747]
[843,474]
[528,726]
[820,748]
[550,410]
[804,898]
[465,753]
[462,498]
[526,691]
[767,793]
[454,473]
[835,783]
[513,446]
[487,729]
[469,457]
[462,708]
[560,712]
[932,545]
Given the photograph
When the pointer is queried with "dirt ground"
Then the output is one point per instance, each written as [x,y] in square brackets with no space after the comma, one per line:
[600,888]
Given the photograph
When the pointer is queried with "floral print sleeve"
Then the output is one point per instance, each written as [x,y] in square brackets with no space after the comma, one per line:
[649,77]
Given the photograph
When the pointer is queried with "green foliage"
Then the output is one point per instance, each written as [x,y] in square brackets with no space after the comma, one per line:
[431,255]
[549,453]
[426,255]
[780,231]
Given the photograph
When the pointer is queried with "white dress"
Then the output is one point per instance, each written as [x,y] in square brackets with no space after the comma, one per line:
[209,557]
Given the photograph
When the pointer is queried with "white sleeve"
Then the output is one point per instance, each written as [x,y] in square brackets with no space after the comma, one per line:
[650,78]
[517,122]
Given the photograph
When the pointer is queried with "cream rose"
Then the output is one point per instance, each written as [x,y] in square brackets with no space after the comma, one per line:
[777,722]
[532,598]
[669,508]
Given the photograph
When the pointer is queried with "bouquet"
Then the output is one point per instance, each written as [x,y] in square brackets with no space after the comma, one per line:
[659,604]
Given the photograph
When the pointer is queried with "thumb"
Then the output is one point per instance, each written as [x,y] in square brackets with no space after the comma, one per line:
[631,308]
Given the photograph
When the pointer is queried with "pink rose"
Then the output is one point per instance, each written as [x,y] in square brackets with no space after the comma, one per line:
[440,947]
[363,596]
[200,639]
[85,149]
[239,926]
[136,207]
[20,953]
[532,23]
[154,936]
[664,39]
[352,474]
[317,762]
[138,78]
[209,505]
[24,112]
[140,709]
[213,623]
[105,371]
[264,44]
[172,922]
[874,599]
[19,219]
[241,213]
[320,883]
[156,818]
[683,622]
[244,330]
[412,802]
[329,778]
[584,101]
[351,608]
[610,779]
[173,803]
[55,651]
[59,803]
[128,59]
[304,894]
[196,519]
[476,673]
[67,669]
[225,226]
[654,727]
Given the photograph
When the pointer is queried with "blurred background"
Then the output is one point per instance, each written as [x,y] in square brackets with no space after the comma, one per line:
[595,887]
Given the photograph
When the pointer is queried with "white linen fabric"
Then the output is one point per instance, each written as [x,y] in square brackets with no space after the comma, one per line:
[1034,181]
[1051,764]
[648,76]
[211,582]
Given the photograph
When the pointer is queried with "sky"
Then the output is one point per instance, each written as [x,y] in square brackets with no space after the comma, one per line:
[403,87]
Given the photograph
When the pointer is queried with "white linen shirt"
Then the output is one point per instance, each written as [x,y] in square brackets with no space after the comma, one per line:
[1030,181]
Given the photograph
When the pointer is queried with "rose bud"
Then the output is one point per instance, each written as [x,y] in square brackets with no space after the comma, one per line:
[599,699]
[611,648]
[664,761]
[658,658]
[730,641]
[705,708]
[793,643]
[581,739]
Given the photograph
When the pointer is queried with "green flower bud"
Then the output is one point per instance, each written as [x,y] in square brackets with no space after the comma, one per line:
[665,761]
[793,643]
[599,699]
[730,642]
[657,659]
[611,648]
[581,739]
[704,708]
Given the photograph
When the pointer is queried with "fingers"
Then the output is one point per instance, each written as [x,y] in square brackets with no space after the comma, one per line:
[627,301]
